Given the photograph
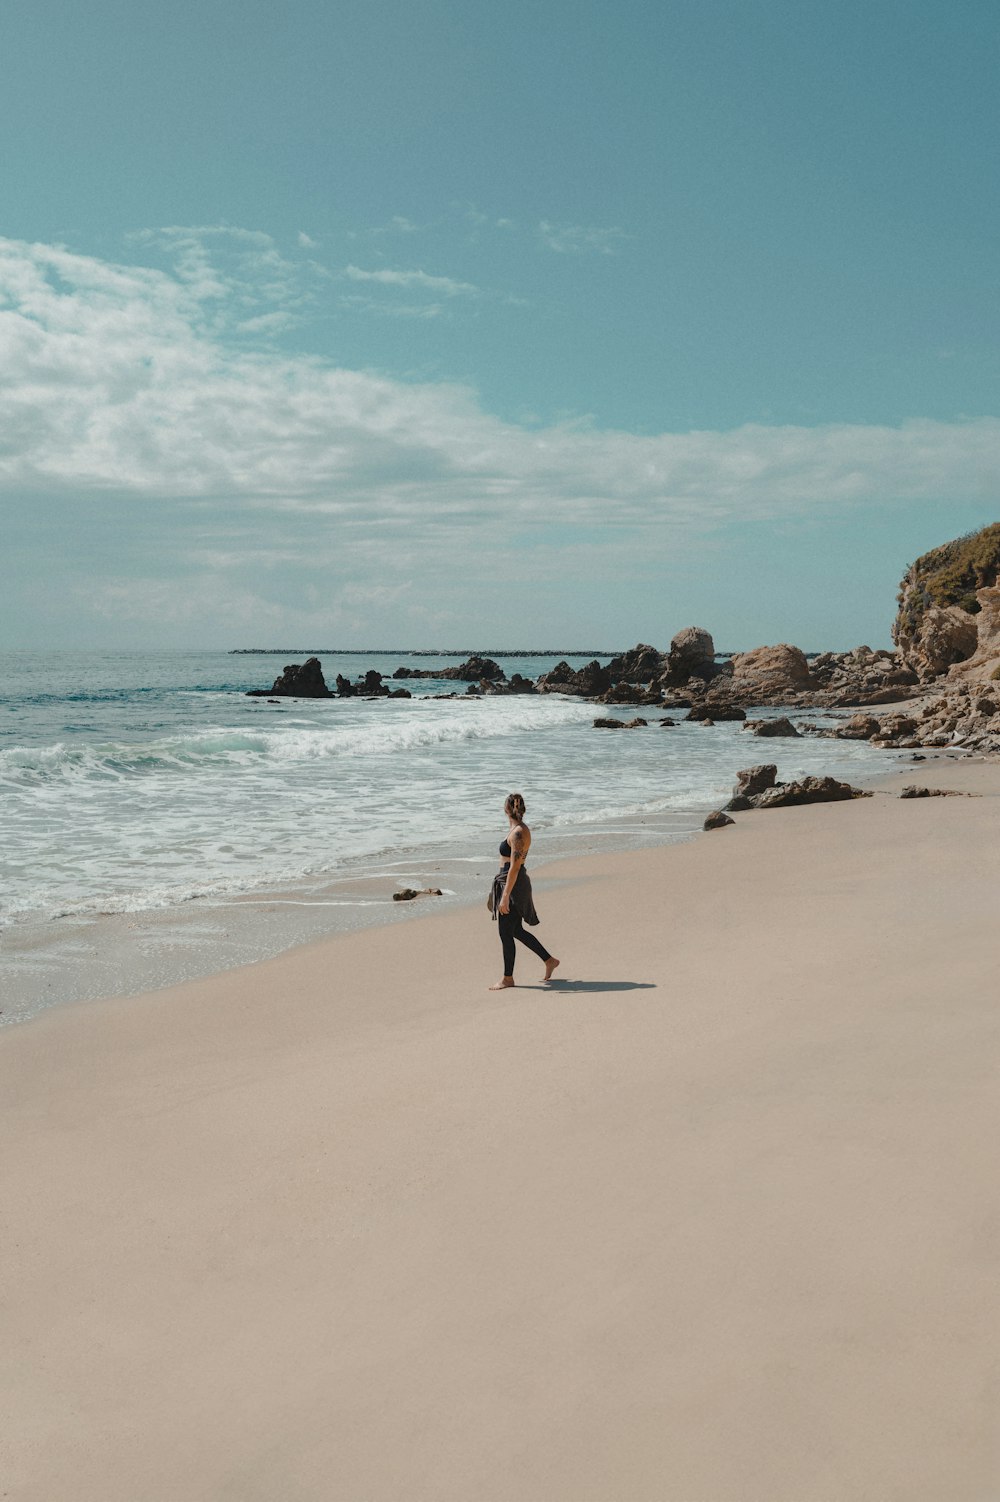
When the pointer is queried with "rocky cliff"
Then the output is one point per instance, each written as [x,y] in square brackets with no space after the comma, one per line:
[948,609]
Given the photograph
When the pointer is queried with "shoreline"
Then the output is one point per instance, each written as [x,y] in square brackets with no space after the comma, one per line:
[131,952]
[710,1218]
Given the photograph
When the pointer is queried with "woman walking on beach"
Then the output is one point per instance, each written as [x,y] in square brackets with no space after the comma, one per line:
[510,900]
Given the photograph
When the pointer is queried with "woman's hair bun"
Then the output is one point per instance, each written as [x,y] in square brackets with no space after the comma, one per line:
[514,805]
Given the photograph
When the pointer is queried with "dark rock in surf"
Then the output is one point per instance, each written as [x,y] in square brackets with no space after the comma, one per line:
[643,664]
[708,711]
[472,670]
[297,681]
[587,681]
[777,727]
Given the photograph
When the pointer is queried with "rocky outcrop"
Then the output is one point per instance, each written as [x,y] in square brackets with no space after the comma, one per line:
[757,787]
[407,894]
[297,681]
[983,665]
[587,681]
[939,600]
[472,670]
[946,635]
[608,724]
[643,664]
[809,790]
[691,655]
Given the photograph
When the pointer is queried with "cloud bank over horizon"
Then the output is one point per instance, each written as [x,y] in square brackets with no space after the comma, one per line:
[156,405]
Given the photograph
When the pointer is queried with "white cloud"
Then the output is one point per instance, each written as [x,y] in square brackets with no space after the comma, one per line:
[412,279]
[393,309]
[306,242]
[134,383]
[397,225]
[580,239]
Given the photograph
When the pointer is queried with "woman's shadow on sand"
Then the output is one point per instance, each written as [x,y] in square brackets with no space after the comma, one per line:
[557,984]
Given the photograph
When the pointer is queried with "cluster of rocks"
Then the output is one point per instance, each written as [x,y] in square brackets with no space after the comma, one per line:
[758,787]
[305,681]
[475,669]
[966,715]
[947,631]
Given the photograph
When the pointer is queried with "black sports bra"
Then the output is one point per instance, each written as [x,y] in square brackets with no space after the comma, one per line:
[505,850]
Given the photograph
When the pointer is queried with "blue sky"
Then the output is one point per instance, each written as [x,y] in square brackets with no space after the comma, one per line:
[537,324]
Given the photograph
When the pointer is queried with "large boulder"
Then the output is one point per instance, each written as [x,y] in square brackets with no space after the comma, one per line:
[939,600]
[769,675]
[297,681]
[779,727]
[691,655]
[860,727]
[754,780]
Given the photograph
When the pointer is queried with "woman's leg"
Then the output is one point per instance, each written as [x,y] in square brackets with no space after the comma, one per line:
[506,924]
[512,928]
[529,940]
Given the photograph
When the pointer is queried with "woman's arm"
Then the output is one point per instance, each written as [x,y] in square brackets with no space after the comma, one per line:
[519,842]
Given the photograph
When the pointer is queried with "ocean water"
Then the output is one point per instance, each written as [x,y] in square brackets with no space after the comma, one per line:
[158,824]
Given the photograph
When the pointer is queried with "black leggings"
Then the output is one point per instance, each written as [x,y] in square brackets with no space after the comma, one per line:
[512,928]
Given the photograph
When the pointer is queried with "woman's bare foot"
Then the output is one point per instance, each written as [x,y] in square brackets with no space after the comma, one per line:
[505,984]
[550,965]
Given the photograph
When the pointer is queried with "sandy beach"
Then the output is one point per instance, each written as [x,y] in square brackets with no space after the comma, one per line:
[712,1220]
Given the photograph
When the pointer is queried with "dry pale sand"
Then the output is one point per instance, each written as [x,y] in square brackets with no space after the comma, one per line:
[714,1220]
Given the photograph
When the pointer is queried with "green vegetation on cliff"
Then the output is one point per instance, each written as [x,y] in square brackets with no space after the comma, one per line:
[950,575]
